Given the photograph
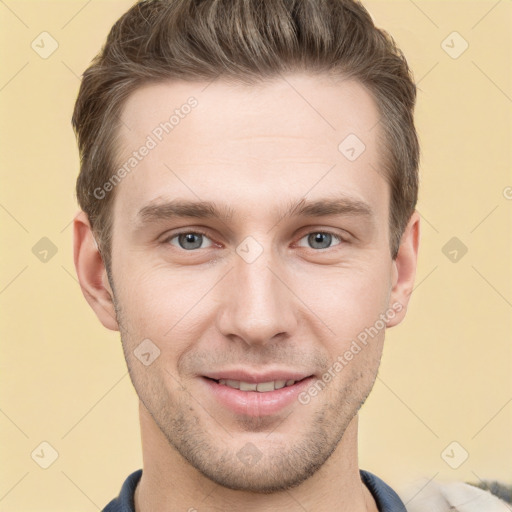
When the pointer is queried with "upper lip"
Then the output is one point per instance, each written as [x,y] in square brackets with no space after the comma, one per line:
[253,376]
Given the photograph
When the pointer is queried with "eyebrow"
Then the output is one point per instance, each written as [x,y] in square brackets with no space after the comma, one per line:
[158,210]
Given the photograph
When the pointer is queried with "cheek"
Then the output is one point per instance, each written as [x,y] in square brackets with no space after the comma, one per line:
[167,304]
[346,299]
[163,305]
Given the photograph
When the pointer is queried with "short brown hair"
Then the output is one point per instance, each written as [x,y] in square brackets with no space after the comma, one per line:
[249,41]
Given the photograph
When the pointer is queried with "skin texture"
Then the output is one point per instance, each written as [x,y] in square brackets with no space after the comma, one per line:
[298,306]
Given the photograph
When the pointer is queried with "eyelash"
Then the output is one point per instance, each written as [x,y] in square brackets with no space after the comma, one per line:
[200,232]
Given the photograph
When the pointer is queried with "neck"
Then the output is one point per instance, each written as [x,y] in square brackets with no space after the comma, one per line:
[170,483]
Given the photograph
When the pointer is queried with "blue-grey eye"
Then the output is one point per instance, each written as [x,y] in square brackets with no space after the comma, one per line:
[320,239]
[188,241]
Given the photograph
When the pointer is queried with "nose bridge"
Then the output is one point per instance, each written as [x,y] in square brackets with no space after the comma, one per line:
[257,305]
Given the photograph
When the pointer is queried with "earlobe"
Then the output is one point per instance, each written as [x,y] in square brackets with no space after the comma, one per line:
[404,269]
[91,272]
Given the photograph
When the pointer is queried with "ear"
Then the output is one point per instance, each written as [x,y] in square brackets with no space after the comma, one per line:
[404,269]
[92,274]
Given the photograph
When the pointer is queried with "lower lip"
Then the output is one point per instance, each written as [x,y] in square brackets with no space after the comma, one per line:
[254,403]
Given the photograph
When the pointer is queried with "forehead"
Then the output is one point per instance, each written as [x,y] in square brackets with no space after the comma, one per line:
[241,144]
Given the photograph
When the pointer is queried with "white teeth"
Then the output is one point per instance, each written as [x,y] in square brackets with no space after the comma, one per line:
[262,387]
[278,384]
[265,386]
[248,386]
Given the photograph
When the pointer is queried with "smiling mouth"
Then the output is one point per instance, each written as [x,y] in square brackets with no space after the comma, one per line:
[256,396]
[260,387]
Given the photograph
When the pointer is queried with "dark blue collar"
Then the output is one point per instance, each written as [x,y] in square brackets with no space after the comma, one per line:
[386,498]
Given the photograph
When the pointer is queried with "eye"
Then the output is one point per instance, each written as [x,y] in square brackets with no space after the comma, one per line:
[321,239]
[188,240]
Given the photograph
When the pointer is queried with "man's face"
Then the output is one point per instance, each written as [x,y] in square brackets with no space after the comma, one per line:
[262,295]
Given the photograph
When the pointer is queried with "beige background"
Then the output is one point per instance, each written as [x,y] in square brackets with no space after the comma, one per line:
[445,374]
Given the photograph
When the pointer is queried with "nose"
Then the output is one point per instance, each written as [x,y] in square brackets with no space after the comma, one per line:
[257,304]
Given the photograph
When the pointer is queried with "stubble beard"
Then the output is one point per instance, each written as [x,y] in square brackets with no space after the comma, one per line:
[281,465]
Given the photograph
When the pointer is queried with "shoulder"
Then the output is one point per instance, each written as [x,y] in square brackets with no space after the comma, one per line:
[431,496]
